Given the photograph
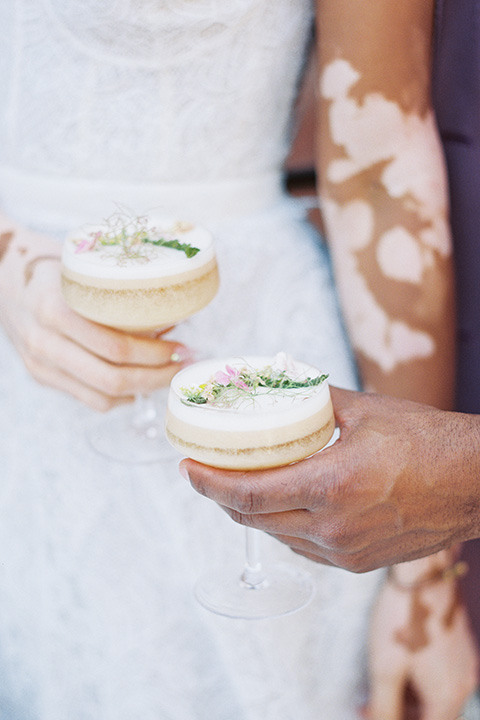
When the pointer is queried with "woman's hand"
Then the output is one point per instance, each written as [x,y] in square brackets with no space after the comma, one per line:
[100,366]
[421,638]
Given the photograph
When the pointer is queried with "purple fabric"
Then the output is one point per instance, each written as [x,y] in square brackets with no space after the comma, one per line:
[456,93]
[456,96]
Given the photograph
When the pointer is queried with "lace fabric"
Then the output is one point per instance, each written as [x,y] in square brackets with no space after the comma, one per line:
[180,78]
[98,560]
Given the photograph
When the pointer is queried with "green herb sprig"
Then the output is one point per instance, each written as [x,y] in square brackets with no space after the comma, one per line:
[282,381]
[232,386]
[186,248]
[132,235]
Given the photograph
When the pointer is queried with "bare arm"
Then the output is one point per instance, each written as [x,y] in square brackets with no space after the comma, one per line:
[383,194]
[384,201]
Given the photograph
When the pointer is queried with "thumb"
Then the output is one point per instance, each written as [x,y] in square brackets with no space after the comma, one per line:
[386,701]
[435,708]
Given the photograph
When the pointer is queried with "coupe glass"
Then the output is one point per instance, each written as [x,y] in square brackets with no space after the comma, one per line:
[248,437]
[137,275]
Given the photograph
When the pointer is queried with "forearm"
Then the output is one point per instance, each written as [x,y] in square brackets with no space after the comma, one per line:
[419,363]
[396,284]
[383,196]
[393,265]
[444,565]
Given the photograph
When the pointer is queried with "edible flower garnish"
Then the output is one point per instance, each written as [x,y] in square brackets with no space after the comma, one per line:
[229,387]
[230,376]
[134,237]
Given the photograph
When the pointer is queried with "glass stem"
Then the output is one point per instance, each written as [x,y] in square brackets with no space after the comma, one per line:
[253,575]
[145,415]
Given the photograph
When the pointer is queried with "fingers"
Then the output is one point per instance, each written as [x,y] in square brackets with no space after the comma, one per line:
[441,705]
[98,365]
[386,698]
[56,378]
[295,522]
[293,487]
[294,528]
[292,502]
[112,345]
[307,549]
[437,711]
[46,347]
[300,501]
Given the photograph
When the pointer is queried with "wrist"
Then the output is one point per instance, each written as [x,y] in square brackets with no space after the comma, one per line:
[409,572]
[21,248]
[442,567]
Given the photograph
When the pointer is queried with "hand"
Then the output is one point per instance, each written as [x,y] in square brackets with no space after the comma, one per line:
[400,483]
[421,639]
[100,366]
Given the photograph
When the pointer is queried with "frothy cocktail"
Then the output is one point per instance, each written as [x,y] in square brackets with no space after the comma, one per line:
[249,413]
[139,275]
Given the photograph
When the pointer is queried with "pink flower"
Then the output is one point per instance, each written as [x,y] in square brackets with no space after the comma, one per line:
[230,376]
[87,243]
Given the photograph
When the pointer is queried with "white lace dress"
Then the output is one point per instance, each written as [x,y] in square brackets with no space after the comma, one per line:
[181,104]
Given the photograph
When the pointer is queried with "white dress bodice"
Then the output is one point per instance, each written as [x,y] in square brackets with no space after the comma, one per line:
[146,92]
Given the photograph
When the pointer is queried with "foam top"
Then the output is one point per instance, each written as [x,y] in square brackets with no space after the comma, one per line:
[265,408]
[155,262]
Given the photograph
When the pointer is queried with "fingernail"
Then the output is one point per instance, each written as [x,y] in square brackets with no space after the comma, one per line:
[183,355]
[184,472]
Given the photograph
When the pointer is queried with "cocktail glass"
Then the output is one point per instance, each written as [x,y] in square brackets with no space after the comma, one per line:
[137,275]
[252,415]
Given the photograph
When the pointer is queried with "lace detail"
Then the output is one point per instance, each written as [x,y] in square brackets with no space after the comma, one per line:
[98,560]
[89,76]
[134,32]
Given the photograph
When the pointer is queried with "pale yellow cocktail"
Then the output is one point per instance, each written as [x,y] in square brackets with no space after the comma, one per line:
[140,275]
[249,413]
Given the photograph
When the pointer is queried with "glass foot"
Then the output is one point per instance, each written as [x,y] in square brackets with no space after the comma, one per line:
[117,437]
[284,590]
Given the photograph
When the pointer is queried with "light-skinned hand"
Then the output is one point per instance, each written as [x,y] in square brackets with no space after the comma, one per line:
[422,639]
[100,366]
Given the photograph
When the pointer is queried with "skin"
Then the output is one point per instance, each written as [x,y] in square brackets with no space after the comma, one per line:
[99,366]
[421,626]
[400,483]
[378,149]
[383,194]
[5,240]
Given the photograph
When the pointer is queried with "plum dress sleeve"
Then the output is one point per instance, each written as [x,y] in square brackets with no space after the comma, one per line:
[456,96]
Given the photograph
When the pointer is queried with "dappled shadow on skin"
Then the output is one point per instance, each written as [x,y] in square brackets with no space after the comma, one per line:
[411,706]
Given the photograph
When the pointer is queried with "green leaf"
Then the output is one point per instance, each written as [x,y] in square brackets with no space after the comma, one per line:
[188,249]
